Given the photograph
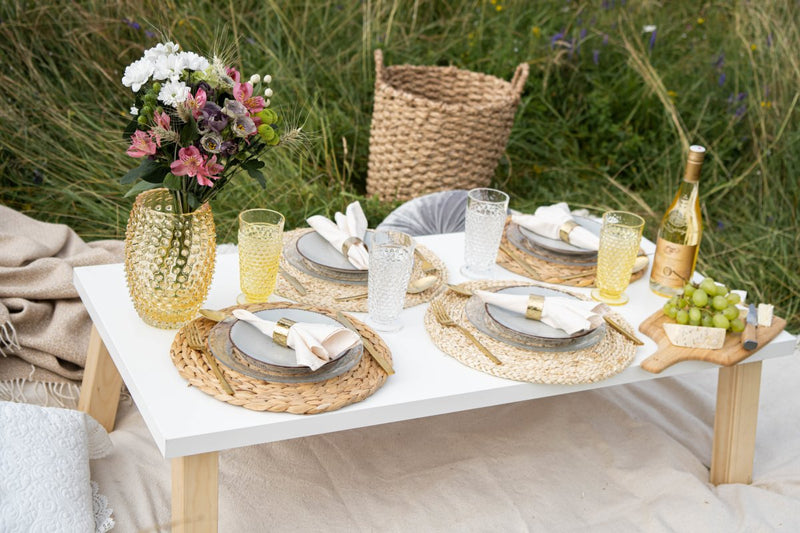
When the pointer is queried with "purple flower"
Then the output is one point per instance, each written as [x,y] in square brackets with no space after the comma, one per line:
[721,80]
[132,23]
[605,39]
[596,56]
[740,111]
[555,38]
[149,34]
[720,62]
[720,225]
[243,127]
[228,148]
[652,40]
[769,41]
[212,118]
[741,97]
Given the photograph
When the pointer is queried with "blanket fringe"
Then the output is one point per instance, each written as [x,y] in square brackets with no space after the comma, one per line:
[26,390]
[8,339]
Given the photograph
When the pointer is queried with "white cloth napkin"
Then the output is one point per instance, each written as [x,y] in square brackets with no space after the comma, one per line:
[547,221]
[566,314]
[313,344]
[352,223]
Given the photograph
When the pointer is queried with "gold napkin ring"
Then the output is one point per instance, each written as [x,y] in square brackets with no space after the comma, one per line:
[349,243]
[281,331]
[535,307]
[566,227]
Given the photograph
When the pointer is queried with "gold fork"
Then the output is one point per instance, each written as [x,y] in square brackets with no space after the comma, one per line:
[195,340]
[424,264]
[441,316]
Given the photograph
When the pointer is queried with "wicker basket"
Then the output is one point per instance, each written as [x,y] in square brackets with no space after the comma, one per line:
[437,128]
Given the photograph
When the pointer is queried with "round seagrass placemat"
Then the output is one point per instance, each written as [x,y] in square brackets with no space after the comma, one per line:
[548,271]
[298,398]
[324,292]
[608,357]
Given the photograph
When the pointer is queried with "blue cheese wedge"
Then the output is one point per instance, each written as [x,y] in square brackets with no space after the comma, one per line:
[695,336]
[765,315]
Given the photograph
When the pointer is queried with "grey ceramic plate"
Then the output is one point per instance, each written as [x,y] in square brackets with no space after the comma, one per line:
[354,277]
[515,237]
[559,246]
[519,331]
[316,250]
[243,348]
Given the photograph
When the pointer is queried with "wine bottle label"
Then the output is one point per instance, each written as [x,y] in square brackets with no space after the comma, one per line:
[672,264]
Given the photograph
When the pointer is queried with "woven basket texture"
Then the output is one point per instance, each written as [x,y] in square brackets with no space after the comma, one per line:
[437,128]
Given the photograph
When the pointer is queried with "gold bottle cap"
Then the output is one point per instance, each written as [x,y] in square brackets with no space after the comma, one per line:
[696,155]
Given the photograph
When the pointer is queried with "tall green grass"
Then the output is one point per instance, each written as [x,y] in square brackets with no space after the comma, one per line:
[605,120]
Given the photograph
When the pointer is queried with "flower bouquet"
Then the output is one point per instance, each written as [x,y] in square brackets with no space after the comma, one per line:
[196,123]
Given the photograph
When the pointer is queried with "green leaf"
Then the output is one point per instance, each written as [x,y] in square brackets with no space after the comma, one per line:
[140,187]
[257,175]
[194,203]
[148,170]
[171,181]
[254,164]
[189,132]
[130,129]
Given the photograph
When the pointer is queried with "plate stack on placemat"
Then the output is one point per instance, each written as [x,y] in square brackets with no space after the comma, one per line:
[549,260]
[327,275]
[529,349]
[265,376]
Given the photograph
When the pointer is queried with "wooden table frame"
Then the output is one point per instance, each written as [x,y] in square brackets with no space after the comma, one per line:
[195,490]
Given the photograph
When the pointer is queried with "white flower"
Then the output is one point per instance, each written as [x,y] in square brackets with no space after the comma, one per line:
[161,50]
[255,78]
[137,74]
[267,79]
[650,28]
[266,102]
[173,93]
[192,61]
[134,110]
[168,68]
[267,92]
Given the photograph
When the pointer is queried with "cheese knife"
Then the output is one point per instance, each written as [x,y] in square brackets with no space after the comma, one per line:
[750,335]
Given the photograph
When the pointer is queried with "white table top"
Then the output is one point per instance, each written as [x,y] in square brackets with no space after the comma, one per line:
[186,421]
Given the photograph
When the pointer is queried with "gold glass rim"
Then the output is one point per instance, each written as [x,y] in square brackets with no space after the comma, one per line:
[244,216]
[639,221]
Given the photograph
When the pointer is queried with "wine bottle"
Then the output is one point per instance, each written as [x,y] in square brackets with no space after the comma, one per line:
[679,233]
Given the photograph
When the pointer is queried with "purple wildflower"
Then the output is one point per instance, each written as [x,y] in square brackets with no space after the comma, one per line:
[555,38]
[720,225]
[769,40]
[583,33]
[212,118]
[741,97]
[720,62]
[721,80]
[132,23]
[596,56]
[652,40]
[605,39]
[228,148]
[149,34]
[740,111]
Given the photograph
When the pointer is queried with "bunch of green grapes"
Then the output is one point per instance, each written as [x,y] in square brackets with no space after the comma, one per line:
[706,304]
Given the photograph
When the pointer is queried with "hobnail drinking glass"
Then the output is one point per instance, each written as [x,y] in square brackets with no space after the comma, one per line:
[485,221]
[260,245]
[620,237]
[391,258]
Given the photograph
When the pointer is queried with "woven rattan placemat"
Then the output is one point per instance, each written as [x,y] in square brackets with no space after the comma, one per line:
[606,358]
[549,272]
[297,398]
[324,293]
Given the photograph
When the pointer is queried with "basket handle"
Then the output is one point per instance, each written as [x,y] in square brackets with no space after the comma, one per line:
[520,77]
[379,73]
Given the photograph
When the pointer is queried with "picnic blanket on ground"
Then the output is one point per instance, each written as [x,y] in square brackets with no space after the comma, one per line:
[44,328]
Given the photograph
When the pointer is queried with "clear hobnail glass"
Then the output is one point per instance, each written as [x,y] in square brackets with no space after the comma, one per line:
[169,259]
[485,221]
[391,258]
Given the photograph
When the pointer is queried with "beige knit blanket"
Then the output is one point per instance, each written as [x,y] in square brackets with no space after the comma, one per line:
[44,328]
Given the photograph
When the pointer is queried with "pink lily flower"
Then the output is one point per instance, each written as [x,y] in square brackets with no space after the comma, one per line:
[189,162]
[161,119]
[195,103]
[233,74]
[208,172]
[142,145]
[243,92]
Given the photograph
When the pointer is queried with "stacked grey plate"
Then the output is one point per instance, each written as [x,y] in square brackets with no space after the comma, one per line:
[554,250]
[317,257]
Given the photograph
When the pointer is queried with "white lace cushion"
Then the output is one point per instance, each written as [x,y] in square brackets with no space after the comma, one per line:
[44,469]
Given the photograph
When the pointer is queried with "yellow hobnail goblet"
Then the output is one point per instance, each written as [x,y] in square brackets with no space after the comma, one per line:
[620,237]
[260,245]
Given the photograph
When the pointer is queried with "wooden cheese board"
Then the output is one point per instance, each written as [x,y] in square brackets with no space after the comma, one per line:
[731,353]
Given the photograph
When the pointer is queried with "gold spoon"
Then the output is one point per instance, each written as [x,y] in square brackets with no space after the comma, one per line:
[415,287]
[212,314]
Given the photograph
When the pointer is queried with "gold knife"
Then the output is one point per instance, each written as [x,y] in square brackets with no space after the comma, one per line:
[526,267]
[293,281]
[630,336]
[384,364]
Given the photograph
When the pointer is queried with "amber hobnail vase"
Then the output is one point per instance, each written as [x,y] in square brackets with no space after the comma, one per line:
[169,259]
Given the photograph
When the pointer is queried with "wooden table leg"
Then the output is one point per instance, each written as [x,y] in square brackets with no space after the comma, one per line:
[735,423]
[101,383]
[195,491]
